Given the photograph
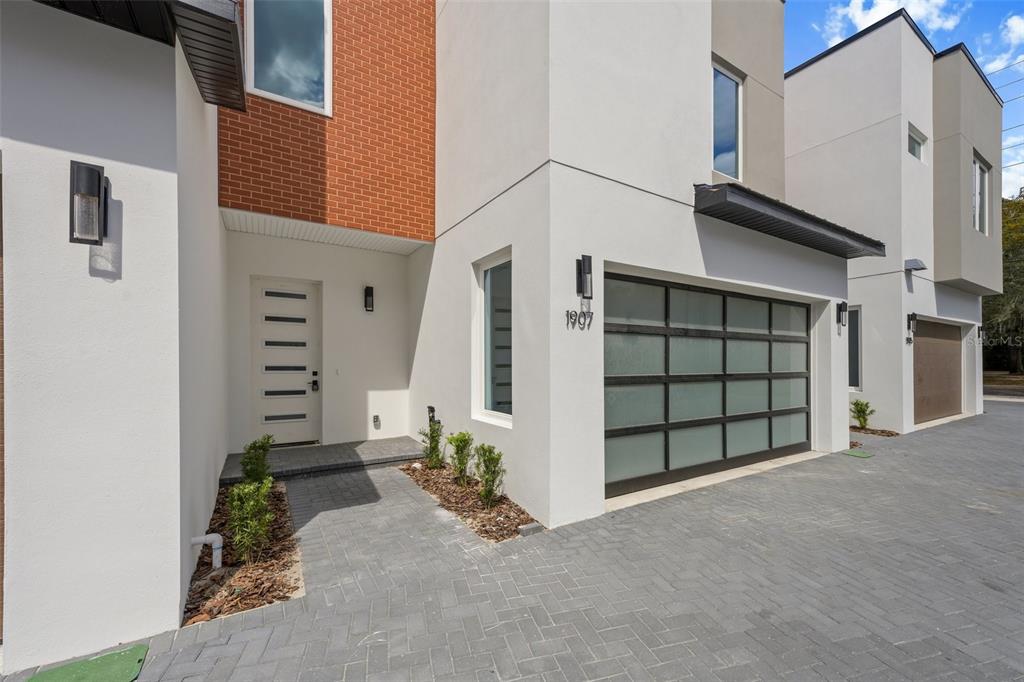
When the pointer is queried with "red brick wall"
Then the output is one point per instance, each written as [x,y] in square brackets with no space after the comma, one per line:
[369,166]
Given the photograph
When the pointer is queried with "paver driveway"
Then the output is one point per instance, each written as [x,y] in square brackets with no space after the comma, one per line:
[909,565]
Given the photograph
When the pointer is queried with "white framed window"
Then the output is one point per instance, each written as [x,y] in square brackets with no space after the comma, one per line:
[498,338]
[915,142]
[853,331]
[979,194]
[727,97]
[288,52]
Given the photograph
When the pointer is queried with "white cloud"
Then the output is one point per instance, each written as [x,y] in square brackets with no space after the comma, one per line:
[1013,30]
[931,15]
[1011,33]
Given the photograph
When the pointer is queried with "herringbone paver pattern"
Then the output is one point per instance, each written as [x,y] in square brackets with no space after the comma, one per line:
[909,565]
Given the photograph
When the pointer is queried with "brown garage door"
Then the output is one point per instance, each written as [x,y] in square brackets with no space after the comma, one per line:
[937,373]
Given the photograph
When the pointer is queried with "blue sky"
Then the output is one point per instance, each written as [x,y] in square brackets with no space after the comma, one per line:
[992,29]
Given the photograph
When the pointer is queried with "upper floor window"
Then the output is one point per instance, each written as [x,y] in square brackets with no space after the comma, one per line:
[726,122]
[288,49]
[979,194]
[915,142]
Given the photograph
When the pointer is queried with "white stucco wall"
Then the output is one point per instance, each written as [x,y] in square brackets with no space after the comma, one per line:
[91,339]
[365,367]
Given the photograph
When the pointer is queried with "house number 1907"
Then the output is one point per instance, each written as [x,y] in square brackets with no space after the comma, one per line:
[581,319]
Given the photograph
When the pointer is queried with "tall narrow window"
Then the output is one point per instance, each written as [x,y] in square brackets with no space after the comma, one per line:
[727,123]
[853,331]
[498,338]
[288,52]
[979,195]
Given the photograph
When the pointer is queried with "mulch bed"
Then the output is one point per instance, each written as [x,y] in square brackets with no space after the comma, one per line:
[498,523]
[855,443]
[235,587]
[874,432]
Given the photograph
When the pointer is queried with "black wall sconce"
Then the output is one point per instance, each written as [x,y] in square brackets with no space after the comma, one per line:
[585,277]
[842,313]
[911,327]
[431,414]
[368,299]
[88,212]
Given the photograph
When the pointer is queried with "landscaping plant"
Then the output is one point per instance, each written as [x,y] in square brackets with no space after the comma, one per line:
[432,452]
[249,518]
[254,462]
[490,472]
[461,443]
[861,410]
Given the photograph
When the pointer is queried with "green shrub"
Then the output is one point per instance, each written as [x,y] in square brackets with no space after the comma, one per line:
[249,518]
[490,472]
[861,410]
[254,461]
[461,443]
[432,452]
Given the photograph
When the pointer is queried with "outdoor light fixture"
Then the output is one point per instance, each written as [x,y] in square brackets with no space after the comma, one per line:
[368,299]
[911,327]
[584,277]
[842,313]
[430,414]
[89,190]
[914,265]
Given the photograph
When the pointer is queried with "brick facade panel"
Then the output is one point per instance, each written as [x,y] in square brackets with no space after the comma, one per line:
[369,166]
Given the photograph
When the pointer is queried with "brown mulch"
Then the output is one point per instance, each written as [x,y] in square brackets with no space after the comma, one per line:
[874,432]
[855,443]
[498,523]
[275,576]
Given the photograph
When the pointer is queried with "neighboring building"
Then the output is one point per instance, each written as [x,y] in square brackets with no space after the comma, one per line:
[455,165]
[902,143]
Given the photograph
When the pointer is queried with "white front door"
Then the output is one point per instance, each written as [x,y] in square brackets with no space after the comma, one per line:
[286,373]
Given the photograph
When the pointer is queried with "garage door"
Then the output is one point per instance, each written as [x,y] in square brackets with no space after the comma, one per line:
[937,371]
[698,380]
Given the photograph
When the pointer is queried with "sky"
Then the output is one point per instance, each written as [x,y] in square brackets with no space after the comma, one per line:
[993,31]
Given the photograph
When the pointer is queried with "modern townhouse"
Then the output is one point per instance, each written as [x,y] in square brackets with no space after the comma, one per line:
[563,226]
[902,143]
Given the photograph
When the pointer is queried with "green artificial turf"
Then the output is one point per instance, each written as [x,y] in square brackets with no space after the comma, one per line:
[118,666]
[858,453]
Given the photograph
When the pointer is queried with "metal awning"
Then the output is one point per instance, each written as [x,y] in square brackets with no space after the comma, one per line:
[209,30]
[741,206]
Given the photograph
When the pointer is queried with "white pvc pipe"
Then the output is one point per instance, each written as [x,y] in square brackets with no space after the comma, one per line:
[216,542]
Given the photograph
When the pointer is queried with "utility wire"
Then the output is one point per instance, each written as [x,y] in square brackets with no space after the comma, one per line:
[1007,101]
[1011,146]
[1006,67]
[1011,165]
[1010,83]
[1019,125]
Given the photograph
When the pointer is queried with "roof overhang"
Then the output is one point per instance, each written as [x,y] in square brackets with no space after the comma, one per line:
[209,30]
[741,206]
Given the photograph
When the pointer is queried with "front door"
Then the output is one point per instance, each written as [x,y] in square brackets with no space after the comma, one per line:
[286,372]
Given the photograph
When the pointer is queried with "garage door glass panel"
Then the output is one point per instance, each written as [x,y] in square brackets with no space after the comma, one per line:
[633,405]
[789,320]
[746,356]
[788,393]
[789,357]
[697,445]
[694,309]
[631,456]
[632,303]
[694,400]
[695,355]
[788,429]
[632,354]
[742,397]
[744,437]
[747,315]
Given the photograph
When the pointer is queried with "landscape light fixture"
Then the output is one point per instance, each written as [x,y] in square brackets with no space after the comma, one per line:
[88,210]
[368,299]
[842,313]
[585,277]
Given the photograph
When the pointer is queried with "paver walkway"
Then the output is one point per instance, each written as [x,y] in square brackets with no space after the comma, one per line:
[301,461]
[908,565]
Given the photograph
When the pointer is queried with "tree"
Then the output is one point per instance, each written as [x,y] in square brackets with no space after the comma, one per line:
[1003,315]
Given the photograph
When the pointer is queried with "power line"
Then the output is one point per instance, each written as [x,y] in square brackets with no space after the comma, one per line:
[1011,165]
[1007,101]
[1006,67]
[1019,125]
[1011,146]
[1010,83]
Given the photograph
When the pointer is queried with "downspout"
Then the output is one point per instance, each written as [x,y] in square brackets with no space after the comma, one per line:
[216,542]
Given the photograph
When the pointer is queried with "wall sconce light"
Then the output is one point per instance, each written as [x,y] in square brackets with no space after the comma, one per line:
[842,313]
[431,414]
[584,277]
[368,299]
[89,191]
[914,265]
[911,327]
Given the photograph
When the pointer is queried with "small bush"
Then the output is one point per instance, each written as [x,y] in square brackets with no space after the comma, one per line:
[432,444]
[249,518]
[254,461]
[490,472]
[461,443]
[861,410]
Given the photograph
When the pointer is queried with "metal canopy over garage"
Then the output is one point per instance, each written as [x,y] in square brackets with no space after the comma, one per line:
[698,380]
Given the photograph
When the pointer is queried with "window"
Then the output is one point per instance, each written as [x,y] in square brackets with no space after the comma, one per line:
[287,52]
[726,123]
[853,330]
[915,142]
[979,195]
[498,338]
